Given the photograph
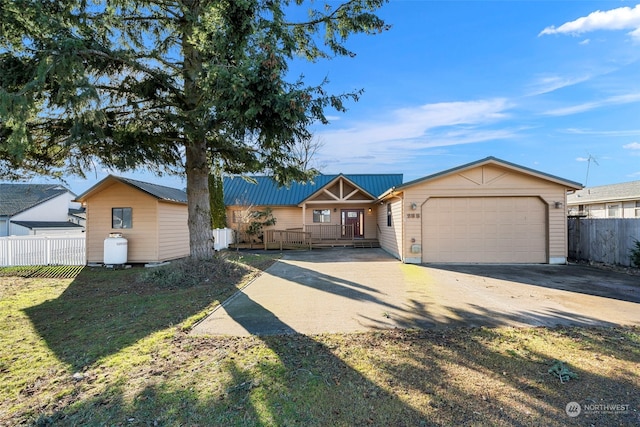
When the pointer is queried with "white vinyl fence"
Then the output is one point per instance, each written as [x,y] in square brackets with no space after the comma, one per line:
[222,238]
[42,250]
[67,250]
[606,240]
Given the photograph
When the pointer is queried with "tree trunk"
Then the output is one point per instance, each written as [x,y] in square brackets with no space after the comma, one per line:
[197,165]
[200,235]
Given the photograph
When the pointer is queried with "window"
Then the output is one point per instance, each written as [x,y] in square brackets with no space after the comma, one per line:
[637,208]
[613,211]
[322,215]
[121,218]
[388,214]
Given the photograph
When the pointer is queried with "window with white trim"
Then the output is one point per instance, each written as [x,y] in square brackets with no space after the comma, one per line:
[322,215]
[613,211]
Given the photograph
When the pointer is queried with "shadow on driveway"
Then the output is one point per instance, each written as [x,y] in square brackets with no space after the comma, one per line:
[573,278]
[372,291]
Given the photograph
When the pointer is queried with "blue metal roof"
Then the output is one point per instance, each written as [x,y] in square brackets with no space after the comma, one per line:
[265,192]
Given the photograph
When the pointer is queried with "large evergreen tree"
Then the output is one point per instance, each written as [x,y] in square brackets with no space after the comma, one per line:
[166,85]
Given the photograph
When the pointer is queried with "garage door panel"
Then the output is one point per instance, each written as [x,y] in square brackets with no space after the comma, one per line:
[485,229]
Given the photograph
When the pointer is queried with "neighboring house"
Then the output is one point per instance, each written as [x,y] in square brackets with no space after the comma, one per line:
[606,201]
[489,211]
[42,209]
[153,219]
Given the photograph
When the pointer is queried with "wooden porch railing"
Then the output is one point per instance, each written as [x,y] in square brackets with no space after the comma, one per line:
[287,238]
[330,231]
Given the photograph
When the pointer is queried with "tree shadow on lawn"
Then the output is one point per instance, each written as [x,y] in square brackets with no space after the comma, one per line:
[103,311]
[322,380]
[479,384]
[436,377]
[274,380]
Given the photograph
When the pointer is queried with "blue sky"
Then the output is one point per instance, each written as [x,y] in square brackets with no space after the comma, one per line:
[544,84]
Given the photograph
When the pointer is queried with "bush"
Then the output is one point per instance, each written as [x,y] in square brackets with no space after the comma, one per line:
[635,254]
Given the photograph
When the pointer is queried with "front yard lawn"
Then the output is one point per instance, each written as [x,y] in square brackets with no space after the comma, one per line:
[111,347]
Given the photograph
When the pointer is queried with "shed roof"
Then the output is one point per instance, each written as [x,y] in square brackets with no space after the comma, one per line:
[16,198]
[495,161]
[265,191]
[606,193]
[158,191]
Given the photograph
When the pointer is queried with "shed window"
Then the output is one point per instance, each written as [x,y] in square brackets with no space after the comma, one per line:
[388,214]
[121,218]
[613,211]
[321,215]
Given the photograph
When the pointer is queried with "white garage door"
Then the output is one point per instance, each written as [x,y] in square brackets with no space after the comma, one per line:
[485,230]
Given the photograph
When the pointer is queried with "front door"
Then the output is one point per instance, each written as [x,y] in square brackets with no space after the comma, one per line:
[353,218]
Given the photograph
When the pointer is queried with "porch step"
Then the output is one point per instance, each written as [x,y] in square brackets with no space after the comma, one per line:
[366,244]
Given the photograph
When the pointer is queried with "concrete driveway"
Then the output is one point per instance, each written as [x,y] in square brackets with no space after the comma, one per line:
[349,290]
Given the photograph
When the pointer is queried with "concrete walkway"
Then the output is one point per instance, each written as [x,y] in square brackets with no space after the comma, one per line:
[349,290]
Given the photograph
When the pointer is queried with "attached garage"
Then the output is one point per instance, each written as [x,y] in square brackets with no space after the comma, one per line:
[489,211]
[485,230]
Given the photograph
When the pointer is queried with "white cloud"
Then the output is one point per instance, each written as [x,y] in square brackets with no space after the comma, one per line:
[577,131]
[548,84]
[622,18]
[632,146]
[582,159]
[587,106]
[585,42]
[405,133]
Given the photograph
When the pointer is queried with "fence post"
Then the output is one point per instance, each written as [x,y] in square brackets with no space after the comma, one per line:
[9,251]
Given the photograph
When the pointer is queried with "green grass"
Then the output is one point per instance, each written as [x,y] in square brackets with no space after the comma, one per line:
[124,333]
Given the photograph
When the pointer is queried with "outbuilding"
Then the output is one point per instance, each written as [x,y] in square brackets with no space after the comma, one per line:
[153,219]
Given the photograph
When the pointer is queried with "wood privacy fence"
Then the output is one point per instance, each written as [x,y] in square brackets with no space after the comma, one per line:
[607,240]
[42,250]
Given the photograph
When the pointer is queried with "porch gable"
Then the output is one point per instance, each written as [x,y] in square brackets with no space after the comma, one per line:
[339,190]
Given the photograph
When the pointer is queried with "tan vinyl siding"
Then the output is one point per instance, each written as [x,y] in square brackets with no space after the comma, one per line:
[286,217]
[173,231]
[142,237]
[391,237]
